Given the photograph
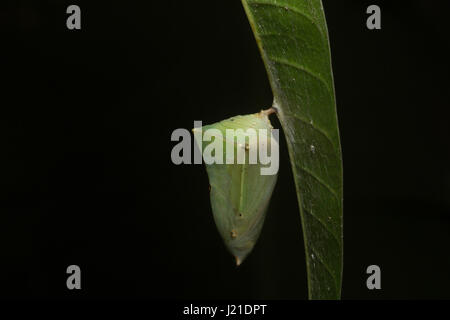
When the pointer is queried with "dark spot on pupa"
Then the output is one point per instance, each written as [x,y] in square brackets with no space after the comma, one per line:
[240,215]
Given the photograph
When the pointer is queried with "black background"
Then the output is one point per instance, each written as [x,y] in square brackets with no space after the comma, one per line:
[86,118]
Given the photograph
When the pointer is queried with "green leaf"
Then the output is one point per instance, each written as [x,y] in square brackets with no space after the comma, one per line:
[293,39]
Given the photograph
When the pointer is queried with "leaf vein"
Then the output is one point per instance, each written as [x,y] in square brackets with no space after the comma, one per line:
[294,37]
[301,68]
[326,185]
[320,259]
[292,9]
[322,223]
[318,129]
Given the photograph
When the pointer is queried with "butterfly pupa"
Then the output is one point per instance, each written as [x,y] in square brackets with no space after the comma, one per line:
[239,192]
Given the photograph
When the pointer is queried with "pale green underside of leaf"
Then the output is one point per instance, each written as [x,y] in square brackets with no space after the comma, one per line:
[293,39]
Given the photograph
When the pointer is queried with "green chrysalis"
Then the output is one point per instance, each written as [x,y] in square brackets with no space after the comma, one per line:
[239,191]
